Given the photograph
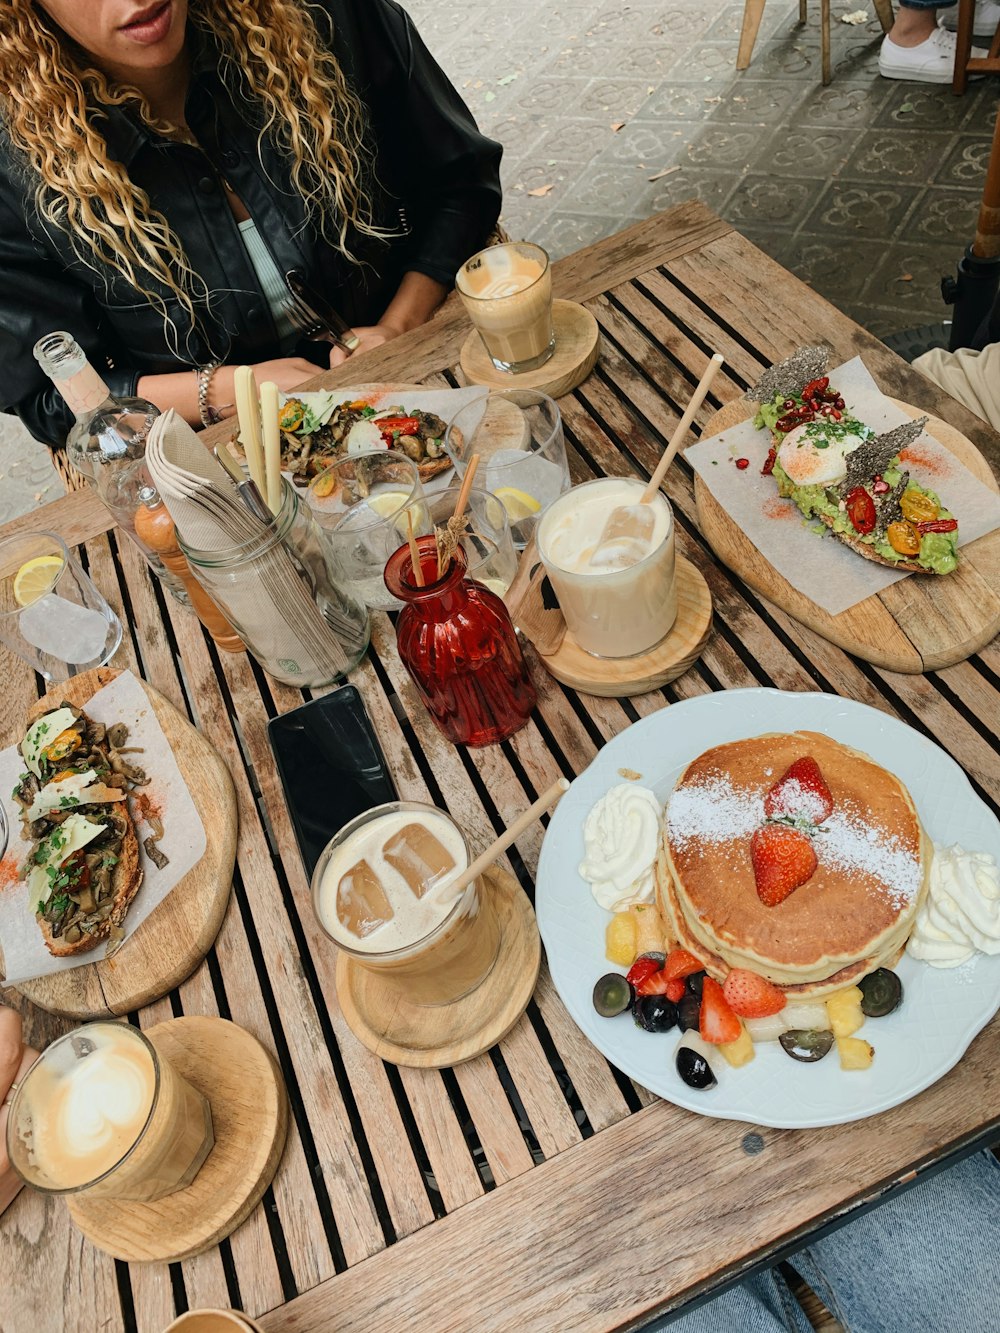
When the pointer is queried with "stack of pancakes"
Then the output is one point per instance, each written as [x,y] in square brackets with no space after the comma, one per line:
[853,915]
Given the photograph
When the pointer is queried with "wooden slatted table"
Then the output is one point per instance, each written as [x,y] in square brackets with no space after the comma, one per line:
[533,1188]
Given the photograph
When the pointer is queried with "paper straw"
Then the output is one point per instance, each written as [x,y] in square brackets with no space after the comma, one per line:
[681,429]
[272,445]
[463,495]
[545,802]
[248,412]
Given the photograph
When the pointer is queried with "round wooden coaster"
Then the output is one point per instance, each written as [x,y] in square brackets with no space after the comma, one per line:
[578,342]
[232,1069]
[172,941]
[435,1038]
[625,676]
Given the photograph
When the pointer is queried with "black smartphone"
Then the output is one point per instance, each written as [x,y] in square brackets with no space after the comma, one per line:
[331,767]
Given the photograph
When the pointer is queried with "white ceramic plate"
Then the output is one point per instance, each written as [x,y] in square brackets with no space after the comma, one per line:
[942,1009]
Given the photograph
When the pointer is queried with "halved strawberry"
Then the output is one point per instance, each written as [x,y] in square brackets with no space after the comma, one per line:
[676,990]
[680,963]
[752,996]
[653,984]
[800,793]
[783,859]
[643,967]
[716,1022]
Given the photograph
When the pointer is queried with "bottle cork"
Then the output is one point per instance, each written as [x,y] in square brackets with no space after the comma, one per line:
[155,527]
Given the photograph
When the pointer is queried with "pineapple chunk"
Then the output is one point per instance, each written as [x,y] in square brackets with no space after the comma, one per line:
[855,1053]
[739,1052]
[844,1011]
[620,939]
[648,928]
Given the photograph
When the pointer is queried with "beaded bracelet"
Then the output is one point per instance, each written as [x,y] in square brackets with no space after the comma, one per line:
[210,415]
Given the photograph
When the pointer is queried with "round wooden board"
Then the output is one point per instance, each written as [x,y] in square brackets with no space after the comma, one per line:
[578,342]
[622,677]
[425,1037]
[232,1069]
[172,941]
[921,623]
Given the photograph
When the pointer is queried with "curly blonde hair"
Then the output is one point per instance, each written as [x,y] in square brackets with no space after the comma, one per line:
[48,98]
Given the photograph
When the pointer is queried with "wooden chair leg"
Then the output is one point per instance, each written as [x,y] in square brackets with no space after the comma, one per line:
[753,12]
[883,8]
[963,46]
[824,38]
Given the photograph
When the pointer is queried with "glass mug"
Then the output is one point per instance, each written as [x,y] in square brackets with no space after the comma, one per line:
[380,891]
[613,607]
[101,1112]
[507,291]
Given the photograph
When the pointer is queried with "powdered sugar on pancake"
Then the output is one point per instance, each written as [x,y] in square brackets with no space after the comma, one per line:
[852,846]
[713,812]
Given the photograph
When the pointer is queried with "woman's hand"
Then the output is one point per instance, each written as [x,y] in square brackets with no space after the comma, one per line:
[15,1061]
[287,372]
[368,336]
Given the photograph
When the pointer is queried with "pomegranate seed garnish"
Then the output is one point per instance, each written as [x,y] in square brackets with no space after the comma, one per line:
[742,463]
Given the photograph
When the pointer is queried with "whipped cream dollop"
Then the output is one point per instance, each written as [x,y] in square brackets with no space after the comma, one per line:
[621,840]
[961,913]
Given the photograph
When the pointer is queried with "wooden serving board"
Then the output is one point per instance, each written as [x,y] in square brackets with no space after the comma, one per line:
[241,1082]
[174,938]
[921,623]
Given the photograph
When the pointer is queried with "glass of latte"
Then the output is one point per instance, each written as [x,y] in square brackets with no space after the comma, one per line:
[101,1111]
[381,890]
[507,291]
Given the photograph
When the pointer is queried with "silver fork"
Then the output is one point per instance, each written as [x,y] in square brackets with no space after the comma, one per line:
[305,321]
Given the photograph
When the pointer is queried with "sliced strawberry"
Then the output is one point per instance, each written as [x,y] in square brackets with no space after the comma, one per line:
[680,963]
[752,996]
[641,969]
[716,1022]
[676,990]
[653,984]
[783,859]
[800,793]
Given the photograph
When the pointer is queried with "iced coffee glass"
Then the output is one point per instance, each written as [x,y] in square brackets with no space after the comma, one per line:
[101,1112]
[381,892]
[507,291]
[618,599]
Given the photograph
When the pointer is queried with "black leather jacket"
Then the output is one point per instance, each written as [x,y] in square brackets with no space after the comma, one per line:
[431,162]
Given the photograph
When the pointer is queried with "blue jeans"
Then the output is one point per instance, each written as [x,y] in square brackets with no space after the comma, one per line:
[927,4]
[923,1260]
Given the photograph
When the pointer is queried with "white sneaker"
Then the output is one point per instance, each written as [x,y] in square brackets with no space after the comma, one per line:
[932,61]
[984,24]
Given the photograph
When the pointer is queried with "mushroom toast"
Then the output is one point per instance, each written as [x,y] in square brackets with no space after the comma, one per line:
[307,446]
[83,869]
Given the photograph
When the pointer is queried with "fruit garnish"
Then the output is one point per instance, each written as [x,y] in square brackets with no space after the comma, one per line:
[880,486]
[694,982]
[518,504]
[861,510]
[612,995]
[843,1009]
[800,793]
[35,578]
[653,983]
[644,966]
[620,941]
[768,467]
[655,1013]
[692,1065]
[739,1052]
[717,1023]
[903,537]
[752,996]
[783,859]
[938,525]
[855,1053]
[689,1013]
[680,963]
[881,993]
[743,463]
[806,1044]
[676,990]
[815,387]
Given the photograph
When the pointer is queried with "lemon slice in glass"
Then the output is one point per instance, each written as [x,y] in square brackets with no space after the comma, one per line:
[35,578]
[387,502]
[518,504]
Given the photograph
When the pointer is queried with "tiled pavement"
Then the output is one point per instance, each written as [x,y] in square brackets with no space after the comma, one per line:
[868,190]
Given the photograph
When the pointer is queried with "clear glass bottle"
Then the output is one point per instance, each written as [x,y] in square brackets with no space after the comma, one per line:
[107,441]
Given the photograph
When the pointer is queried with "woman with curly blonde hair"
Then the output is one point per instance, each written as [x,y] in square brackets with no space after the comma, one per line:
[164,166]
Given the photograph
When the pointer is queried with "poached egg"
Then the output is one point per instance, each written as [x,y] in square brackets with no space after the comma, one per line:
[815,453]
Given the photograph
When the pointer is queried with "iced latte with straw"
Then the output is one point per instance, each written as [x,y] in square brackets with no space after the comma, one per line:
[382,892]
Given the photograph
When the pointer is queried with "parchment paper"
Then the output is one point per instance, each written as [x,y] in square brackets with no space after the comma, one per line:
[828,573]
[23,954]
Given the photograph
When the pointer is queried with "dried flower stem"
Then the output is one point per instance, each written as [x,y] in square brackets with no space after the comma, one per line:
[418,573]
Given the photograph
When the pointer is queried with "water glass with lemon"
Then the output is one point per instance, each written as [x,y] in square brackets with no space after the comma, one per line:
[51,614]
[357,502]
[519,439]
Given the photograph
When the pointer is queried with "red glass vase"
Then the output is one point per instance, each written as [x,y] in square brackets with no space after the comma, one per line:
[458,643]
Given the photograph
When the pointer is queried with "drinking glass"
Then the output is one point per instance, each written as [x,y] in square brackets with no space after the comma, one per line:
[356,502]
[61,1104]
[213,1321]
[507,291]
[51,614]
[450,959]
[522,453]
[489,548]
